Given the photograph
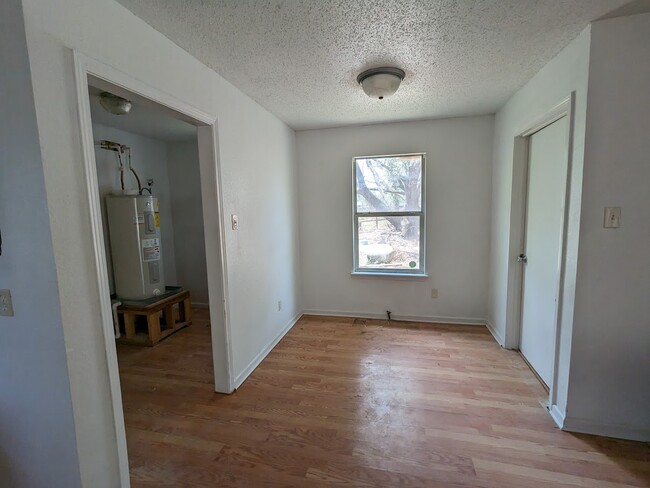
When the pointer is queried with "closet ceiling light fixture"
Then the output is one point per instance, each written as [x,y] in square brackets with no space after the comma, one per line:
[114,104]
[380,83]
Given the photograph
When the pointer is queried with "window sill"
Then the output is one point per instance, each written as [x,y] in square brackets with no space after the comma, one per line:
[396,276]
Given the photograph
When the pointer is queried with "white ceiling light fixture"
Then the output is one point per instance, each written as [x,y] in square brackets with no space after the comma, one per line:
[381,83]
[114,104]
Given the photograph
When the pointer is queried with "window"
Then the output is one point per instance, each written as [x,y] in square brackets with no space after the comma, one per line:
[388,208]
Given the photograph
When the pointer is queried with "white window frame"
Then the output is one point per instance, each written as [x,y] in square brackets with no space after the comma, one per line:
[412,273]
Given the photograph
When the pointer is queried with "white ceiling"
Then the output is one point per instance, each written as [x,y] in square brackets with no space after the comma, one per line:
[142,120]
[300,58]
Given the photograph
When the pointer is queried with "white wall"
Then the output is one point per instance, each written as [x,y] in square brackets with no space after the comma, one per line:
[149,159]
[610,366]
[256,154]
[566,73]
[459,153]
[187,210]
[37,439]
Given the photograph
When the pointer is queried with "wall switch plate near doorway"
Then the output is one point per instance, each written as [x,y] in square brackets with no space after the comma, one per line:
[6,305]
[612,217]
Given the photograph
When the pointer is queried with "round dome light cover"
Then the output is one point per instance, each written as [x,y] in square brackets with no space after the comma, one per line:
[114,104]
[380,83]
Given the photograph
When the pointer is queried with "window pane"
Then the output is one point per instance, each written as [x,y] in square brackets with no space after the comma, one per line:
[389,184]
[389,242]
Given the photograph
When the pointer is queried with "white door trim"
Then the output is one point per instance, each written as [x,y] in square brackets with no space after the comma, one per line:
[518,226]
[121,83]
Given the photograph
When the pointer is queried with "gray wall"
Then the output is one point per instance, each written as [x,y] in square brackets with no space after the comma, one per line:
[37,433]
[458,173]
[609,390]
[189,245]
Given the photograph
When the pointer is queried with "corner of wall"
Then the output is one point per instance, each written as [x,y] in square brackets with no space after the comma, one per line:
[498,336]
[257,360]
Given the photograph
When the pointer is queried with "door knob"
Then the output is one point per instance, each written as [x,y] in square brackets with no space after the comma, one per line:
[522,258]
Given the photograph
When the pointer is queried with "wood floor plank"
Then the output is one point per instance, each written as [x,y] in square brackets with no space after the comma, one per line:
[503,470]
[357,403]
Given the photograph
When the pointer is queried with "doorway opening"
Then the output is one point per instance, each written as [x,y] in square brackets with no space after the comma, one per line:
[540,257]
[538,229]
[152,177]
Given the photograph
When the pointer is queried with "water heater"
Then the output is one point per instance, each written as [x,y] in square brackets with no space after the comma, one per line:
[134,228]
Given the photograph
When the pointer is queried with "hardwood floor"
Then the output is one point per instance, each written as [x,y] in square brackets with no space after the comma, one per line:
[344,402]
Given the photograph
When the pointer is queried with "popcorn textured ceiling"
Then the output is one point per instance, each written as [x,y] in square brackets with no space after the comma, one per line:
[299,58]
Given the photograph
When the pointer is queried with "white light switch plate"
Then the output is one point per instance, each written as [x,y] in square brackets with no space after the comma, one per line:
[612,218]
[6,305]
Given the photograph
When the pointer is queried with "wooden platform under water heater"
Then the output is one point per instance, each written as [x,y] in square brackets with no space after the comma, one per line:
[147,322]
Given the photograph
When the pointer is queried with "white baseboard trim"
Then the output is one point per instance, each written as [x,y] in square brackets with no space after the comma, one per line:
[200,305]
[405,318]
[618,431]
[241,377]
[497,335]
[557,415]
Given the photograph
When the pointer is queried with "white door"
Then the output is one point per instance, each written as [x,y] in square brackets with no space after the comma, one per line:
[547,174]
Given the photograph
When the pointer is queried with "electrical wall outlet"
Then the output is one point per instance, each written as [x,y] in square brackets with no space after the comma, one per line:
[234,221]
[279,305]
[434,293]
[6,305]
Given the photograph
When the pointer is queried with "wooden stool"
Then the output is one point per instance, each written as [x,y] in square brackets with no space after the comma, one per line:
[128,312]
